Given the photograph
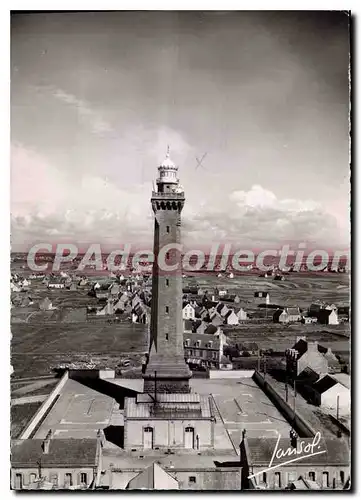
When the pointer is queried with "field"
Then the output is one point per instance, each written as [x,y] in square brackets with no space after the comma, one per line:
[20,416]
[37,348]
[298,289]
[39,343]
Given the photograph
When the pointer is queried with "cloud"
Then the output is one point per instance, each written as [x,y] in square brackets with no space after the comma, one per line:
[88,115]
[47,208]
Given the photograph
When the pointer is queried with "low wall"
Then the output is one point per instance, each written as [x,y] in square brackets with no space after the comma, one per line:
[303,428]
[231,374]
[340,424]
[44,407]
[105,374]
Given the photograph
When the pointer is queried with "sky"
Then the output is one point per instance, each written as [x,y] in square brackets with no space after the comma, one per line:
[97,97]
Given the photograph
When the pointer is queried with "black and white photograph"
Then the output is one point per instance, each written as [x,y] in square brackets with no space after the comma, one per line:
[180,250]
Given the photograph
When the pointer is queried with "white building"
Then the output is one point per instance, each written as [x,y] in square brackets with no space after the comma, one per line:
[188,312]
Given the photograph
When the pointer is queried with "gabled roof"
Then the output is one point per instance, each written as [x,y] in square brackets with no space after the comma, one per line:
[260,452]
[153,477]
[324,384]
[293,310]
[62,452]
[211,329]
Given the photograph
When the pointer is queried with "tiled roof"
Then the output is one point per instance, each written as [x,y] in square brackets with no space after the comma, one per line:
[261,451]
[62,452]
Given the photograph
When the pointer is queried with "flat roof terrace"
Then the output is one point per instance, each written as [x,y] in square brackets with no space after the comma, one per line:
[79,412]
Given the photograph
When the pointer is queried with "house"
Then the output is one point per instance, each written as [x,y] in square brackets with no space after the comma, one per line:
[45,304]
[56,283]
[333,395]
[106,310]
[14,287]
[56,463]
[328,316]
[188,312]
[262,296]
[308,320]
[216,319]
[242,315]
[202,350]
[102,291]
[187,326]
[330,470]
[294,314]
[287,315]
[231,318]
[114,289]
[280,316]
[140,314]
[306,354]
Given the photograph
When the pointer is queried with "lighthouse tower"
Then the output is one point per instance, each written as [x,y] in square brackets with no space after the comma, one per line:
[166,370]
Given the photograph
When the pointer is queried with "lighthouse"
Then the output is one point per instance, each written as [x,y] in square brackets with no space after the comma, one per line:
[166,370]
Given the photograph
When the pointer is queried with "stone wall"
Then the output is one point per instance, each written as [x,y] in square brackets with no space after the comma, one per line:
[303,428]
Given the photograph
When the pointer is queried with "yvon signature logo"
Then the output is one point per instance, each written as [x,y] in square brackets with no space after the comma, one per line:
[300,452]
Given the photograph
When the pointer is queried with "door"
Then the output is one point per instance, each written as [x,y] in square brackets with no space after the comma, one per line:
[189,438]
[148,438]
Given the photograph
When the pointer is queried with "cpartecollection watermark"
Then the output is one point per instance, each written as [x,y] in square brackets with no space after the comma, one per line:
[173,257]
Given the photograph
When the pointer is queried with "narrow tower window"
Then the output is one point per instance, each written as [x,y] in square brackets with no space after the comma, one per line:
[166,336]
[168,229]
[167,282]
[167,309]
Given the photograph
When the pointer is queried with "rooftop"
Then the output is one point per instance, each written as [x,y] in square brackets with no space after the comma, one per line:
[173,406]
[261,451]
[69,452]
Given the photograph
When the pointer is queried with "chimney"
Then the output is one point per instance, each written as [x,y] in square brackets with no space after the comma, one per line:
[293,436]
[46,442]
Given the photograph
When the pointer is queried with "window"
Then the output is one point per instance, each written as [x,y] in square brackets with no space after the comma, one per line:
[54,479]
[167,309]
[168,229]
[312,476]
[32,478]
[18,481]
[68,480]
[277,479]
[325,479]
[166,336]
[83,478]
[186,342]
[342,477]
[264,477]
[198,343]
[192,479]
[167,282]
[210,343]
